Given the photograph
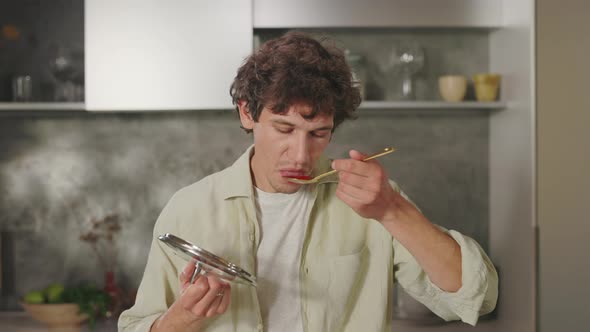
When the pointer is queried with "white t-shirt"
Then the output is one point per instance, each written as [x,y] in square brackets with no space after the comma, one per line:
[283,220]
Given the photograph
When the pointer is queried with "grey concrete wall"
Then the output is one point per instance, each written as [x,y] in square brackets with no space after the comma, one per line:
[56,173]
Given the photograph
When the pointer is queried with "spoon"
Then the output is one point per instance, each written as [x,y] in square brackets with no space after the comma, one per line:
[323,175]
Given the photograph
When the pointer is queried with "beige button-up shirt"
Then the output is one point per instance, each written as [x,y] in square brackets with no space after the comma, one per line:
[347,269]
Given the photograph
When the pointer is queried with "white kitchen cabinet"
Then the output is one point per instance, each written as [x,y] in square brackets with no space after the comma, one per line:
[377,13]
[146,55]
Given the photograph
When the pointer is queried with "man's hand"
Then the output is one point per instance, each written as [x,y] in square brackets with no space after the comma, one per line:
[364,187]
[207,297]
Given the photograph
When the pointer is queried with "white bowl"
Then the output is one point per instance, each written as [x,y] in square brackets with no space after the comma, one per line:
[452,88]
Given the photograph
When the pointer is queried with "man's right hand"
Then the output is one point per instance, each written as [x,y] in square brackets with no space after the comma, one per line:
[207,297]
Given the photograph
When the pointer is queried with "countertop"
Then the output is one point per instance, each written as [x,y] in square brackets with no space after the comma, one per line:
[20,321]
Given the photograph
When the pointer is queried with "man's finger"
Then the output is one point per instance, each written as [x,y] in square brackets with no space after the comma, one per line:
[353,166]
[206,301]
[214,307]
[356,180]
[349,200]
[359,194]
[194,293]
[187,272]
[354,154]
[226,300]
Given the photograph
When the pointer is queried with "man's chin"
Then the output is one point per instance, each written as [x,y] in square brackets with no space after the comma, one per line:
[286,187]
[290,190]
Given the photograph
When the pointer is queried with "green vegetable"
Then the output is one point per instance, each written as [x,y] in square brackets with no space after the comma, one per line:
[34,297]
[54,293]
[91,301]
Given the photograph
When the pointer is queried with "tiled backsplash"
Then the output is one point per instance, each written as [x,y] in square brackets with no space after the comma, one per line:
[56,173]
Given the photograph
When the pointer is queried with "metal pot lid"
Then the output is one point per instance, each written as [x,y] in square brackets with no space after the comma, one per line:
[208,261]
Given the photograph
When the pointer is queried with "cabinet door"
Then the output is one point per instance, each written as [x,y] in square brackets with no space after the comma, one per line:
[164,55]
[376,13]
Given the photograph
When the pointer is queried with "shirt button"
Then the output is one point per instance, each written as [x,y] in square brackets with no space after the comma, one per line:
[251,236]
[259,327]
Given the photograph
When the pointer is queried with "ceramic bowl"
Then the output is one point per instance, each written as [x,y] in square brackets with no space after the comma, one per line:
[56,316]
[452,88]
[486,86]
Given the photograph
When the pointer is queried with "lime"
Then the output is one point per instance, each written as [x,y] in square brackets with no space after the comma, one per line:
[54,293]
[34,297]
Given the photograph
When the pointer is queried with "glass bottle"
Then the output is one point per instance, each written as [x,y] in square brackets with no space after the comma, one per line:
[358,66]
[116,294]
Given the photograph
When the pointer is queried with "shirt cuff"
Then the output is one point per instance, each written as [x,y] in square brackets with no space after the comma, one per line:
[142,325]
[469,301]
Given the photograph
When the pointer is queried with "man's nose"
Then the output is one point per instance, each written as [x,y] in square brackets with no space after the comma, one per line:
[301,151]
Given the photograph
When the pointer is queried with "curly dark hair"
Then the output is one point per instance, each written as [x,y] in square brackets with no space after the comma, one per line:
[296,68]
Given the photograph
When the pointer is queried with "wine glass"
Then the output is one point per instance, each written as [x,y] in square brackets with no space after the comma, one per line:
[66,66]
[404,61]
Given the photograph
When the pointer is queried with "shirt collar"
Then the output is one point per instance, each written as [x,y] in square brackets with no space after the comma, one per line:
[237,180]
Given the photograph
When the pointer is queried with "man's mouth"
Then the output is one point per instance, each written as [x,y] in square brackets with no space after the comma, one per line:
[296,174]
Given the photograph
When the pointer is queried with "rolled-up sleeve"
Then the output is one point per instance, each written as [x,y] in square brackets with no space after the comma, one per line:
[158,284]
[479,290]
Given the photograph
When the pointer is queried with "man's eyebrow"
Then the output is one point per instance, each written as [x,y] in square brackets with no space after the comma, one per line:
[282,122]
[287,123]
[324,128]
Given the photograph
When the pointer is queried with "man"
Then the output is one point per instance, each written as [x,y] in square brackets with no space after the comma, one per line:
[325,255]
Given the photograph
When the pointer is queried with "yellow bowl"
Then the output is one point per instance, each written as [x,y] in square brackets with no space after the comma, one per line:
[63,315]
[486,78]
[486,86]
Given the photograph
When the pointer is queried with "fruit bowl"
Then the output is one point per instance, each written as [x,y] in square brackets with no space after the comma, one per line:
[56,316]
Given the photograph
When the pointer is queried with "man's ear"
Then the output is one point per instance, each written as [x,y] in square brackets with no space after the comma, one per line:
[245,116]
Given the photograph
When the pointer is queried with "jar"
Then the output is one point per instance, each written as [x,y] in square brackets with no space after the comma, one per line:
[22,88]
[486,86]
[358,66]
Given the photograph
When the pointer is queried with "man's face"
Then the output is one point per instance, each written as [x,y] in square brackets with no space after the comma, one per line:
[286,146]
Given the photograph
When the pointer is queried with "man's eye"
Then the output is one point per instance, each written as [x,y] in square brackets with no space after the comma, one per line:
[284,130]
[319,134]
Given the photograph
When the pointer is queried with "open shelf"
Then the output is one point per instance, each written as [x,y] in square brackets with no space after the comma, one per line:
[427,105]
[366,105]
[41,106]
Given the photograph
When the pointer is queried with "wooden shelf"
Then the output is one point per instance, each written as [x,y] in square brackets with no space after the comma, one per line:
[429,105]
[41,106]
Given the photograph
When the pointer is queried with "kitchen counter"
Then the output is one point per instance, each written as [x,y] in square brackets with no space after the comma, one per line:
[20,321]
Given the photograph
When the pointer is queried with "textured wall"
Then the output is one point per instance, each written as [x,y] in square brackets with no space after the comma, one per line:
[59,171]
[56,173]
